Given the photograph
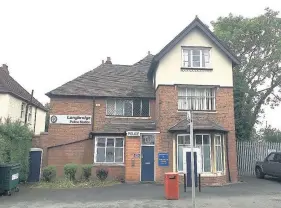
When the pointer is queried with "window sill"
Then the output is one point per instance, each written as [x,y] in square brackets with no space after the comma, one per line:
[108,164]
[208,174]
[128,117]
[198,111]
[195,69]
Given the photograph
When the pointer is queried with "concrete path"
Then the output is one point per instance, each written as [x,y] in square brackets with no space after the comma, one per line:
[252,193]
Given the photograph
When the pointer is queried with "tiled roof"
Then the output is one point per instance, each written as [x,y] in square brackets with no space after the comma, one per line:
[198,124]
[11,86]
[122,125]
[109,80]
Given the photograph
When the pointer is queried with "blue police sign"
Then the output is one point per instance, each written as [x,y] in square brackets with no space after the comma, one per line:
[163,159]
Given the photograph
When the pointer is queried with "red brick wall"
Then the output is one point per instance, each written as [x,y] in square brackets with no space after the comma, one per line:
[167,115]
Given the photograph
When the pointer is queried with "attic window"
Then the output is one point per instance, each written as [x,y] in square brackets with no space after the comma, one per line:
[193,57]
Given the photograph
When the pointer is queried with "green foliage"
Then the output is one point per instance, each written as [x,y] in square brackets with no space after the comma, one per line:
[70,171]
[15,144]
[49,173]
[102,174]
[257,80]
[87,171]
[270,134]
[47,120]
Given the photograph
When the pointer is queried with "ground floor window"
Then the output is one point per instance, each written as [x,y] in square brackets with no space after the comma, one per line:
[109,150]
[212,151]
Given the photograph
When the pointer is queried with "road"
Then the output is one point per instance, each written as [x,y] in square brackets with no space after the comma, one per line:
[250,193]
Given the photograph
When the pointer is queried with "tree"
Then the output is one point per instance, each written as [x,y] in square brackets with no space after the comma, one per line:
[270,134]
[257,80]
[47,121]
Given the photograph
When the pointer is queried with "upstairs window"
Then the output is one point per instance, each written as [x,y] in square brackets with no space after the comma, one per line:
[195,57]
[22,113]
[127,107]
[200,99]
[29,114]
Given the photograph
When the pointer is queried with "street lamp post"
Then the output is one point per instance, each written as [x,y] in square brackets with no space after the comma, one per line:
[190,119]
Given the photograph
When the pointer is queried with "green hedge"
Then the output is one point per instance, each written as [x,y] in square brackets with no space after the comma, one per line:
[15,144]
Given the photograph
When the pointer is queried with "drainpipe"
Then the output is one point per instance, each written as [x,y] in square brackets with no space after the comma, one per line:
[227,159]
[93,114]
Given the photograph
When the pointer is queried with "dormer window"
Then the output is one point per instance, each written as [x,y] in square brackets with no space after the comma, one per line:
[195,57]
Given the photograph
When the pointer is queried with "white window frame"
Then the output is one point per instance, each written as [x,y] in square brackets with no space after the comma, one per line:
[221,145]
[123,100]
[191,49]
[23,109]
[194,144]
[212,98]
[29,116]
[110,137]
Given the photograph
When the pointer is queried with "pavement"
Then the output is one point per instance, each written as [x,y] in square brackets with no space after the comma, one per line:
[250,193]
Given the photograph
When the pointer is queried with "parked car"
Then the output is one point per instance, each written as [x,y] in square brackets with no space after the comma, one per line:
[271,166]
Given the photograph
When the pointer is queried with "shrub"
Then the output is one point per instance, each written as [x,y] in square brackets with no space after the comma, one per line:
[102,174]
[49,173]
[70,171]
[15,144]
[87,171]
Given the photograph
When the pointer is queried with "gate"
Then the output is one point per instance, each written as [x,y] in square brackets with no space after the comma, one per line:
[251,151]
[35,160]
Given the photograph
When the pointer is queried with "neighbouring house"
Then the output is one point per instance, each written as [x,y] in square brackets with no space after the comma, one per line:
[131,119]
[14,100]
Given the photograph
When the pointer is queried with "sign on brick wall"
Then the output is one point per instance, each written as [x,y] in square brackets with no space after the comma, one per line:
[71,119]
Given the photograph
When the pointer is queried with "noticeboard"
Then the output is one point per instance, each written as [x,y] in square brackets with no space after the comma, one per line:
[163,159]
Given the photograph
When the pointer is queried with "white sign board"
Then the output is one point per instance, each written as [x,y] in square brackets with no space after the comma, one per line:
[15,176]
[133,133]
[71,119]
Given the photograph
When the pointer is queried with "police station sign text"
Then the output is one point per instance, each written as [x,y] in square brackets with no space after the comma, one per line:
[71,119]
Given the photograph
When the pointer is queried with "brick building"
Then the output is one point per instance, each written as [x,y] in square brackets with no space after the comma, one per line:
[131,119]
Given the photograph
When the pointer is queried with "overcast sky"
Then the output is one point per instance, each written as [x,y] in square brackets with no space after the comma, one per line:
[47,43]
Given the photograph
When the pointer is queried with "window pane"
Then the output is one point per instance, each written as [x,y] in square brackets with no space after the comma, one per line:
[110,154]
[137,107]
[119,142]
[187,139]
[219,158]
[206,139]
[180,139]
[217,140]
[145,107]
[198,139]
[128,107]
[148,139]
[207,158]
[110,107]
[100,154]
[180,159]
[101,142]
[110,142]
[118,154]
[119,107]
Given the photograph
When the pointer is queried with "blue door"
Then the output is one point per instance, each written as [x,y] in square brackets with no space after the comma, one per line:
[147,163]
[34,166]
[188,169]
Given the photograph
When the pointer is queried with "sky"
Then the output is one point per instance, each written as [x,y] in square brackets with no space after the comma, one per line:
[48,43]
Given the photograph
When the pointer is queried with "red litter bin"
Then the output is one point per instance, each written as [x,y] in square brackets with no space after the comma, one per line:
[171,183]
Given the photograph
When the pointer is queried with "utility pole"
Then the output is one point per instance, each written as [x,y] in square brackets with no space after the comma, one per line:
[190,119]
[27,106]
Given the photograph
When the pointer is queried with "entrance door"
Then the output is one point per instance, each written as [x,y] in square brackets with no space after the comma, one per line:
[187,164]
[147,163]
[34,166]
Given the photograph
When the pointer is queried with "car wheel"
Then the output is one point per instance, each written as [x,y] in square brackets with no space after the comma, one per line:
[259,173]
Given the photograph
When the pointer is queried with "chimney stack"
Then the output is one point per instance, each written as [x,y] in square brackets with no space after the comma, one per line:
[148,52]
[5,68]
[108,60]
[102,61]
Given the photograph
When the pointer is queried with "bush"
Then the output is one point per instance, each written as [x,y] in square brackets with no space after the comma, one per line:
[102,174]
[49,173]
[70,171]
[87,171]
[15,144]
